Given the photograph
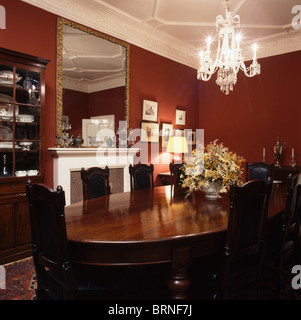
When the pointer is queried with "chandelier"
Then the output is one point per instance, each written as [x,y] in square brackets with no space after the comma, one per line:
[229,59]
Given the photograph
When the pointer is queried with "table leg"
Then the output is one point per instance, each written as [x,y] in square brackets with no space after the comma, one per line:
[179,282]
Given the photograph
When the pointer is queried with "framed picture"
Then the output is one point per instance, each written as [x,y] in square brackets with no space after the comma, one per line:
[149,132]
[167,131]
[190,137]
[180,117]
[179,133]
[150,110]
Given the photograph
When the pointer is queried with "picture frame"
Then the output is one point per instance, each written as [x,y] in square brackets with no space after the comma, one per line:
[149,132]
[166,132]
[179,133]
[180,117]
[150,110]
[190,136]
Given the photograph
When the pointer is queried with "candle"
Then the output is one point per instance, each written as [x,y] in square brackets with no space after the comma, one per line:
[264,152]
[254,51]
[209,40]
[238,37]
[293,152]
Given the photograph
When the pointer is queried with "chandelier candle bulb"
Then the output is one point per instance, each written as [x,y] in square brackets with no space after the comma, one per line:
[293,152]
[254,50]
[209,40]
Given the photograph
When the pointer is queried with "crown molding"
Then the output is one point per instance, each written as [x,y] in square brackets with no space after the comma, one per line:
[94,86]
[101,18]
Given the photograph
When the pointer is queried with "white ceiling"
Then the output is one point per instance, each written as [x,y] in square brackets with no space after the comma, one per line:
[177,29]
[91,63]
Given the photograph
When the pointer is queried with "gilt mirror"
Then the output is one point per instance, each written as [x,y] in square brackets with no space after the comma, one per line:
[92,79]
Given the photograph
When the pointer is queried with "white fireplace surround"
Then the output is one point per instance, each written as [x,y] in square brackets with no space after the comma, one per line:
[66,160]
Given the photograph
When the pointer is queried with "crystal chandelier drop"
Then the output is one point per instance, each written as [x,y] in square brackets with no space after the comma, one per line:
[228,57]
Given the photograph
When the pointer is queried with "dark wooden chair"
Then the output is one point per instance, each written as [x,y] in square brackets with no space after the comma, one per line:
[241,263]
[283,247]
[141,176]
[175,175]
[259,171]
[57,277]
[95,182]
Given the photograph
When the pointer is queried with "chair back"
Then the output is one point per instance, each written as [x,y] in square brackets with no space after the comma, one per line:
[141,176]
[291,217]
[175,174]
[95,182]
[258,171]
[244,247]
[49,238]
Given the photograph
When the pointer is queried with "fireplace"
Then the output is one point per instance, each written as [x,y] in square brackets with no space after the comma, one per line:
[68,162]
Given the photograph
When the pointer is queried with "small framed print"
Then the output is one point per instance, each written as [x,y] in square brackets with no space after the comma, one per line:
[190,137]
[179,133]
[167,131]
[149,132]
[150,110]
[180,117]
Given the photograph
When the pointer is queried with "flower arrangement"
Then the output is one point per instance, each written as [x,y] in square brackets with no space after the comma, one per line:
[215,163]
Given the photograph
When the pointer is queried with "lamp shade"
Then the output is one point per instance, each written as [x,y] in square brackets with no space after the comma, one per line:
[177,145]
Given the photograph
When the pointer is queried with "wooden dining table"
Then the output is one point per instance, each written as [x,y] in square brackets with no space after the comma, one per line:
[153,226]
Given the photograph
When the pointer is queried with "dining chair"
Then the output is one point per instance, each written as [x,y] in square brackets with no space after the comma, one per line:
[95,182]
[57,277]
[283,247]
[258,171]
[239,272]
[175,174]
[141,176]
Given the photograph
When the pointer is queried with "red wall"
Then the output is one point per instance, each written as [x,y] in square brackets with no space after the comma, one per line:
[171,84]
[257,111]
[76,107]
[33,31]
[109,101]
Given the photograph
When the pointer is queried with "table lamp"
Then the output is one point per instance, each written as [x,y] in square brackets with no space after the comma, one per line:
[177,145]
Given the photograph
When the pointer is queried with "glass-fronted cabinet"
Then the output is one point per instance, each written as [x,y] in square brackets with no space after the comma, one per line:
[20,122]
[22,98]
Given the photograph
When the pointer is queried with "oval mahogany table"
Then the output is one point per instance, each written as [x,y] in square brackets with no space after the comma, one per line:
[152,226]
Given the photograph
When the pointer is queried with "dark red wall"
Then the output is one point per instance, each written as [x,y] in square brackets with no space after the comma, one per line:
[171,84]
[76,106]
[257,111]
[111,101]
[33,31]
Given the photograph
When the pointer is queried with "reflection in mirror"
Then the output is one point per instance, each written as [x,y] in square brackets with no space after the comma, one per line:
[92,83]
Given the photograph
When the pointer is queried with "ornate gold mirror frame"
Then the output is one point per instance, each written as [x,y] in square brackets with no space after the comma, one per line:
[59,69]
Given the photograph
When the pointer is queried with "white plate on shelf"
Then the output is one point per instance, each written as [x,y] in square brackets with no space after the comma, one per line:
[277,181]
[6,133]
[7,109]
[8,145]
[25,117]
[6,98]
[7,77]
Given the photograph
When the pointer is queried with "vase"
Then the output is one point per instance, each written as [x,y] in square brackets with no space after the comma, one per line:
[212,191]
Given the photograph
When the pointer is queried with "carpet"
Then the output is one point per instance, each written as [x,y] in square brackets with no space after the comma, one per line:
[20,281]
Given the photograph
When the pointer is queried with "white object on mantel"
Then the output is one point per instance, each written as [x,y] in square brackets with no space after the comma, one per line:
[66,160]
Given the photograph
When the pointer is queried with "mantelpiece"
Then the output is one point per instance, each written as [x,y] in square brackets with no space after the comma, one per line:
[66,160]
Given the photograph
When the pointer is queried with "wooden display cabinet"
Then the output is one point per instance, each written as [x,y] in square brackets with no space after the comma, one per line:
[22,99]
